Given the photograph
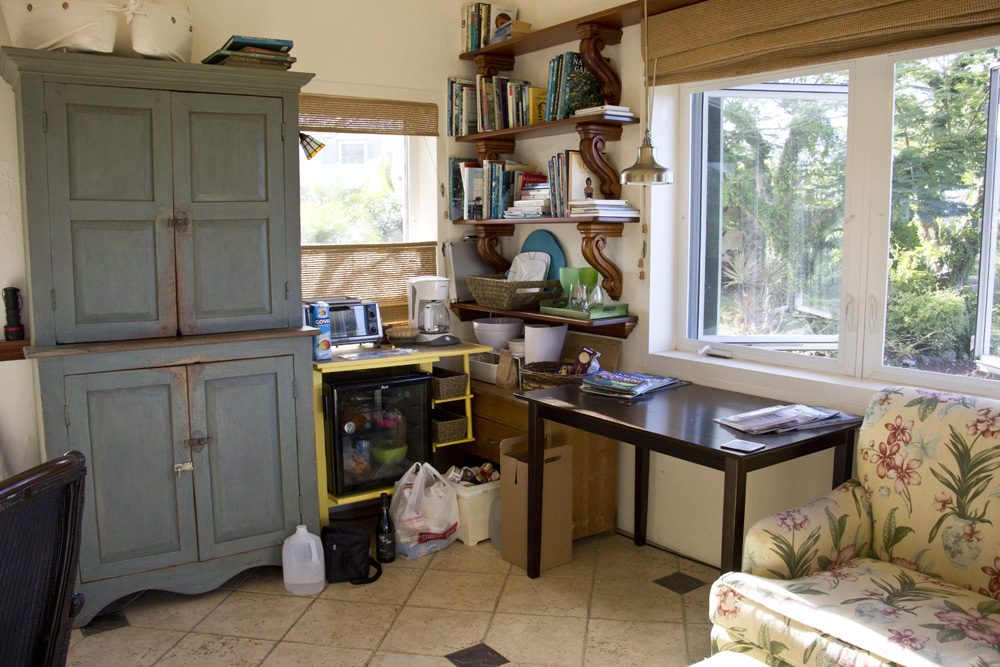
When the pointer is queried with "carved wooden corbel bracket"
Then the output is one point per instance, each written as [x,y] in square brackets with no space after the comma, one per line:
[489,242]
[593,38]
[594,241]
[492,149]
[593,137]
[491,64]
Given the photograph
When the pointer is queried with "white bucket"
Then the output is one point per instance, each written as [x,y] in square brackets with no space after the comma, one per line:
[302,563]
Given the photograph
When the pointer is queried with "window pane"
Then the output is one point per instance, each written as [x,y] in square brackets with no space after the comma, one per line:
[773,161]
[939,159]
[354,189]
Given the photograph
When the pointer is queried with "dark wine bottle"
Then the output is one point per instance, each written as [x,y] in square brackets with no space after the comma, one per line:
[385,536]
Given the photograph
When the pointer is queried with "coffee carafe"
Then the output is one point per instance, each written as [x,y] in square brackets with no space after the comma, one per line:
[428,310]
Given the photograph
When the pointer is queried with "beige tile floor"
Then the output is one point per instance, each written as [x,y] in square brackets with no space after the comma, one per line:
[601,609]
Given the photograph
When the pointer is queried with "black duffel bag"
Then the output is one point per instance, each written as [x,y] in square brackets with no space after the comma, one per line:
[347,554]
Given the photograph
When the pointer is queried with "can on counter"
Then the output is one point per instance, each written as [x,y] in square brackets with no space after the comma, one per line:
[319,317]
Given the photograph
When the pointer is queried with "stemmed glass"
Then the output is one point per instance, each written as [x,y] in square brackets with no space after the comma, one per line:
[579,298]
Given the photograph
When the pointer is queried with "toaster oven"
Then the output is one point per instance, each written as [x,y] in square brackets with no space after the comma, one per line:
[352,321]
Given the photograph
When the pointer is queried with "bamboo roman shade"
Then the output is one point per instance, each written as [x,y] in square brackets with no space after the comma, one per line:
[361,115]
[377,272]
[724,38]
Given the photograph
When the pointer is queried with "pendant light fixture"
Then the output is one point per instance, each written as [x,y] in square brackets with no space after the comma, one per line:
[310,145]
[646,170]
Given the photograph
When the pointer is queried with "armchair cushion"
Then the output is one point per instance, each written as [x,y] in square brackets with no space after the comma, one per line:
[863,613]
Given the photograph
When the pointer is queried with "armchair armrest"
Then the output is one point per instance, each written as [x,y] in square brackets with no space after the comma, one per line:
[821,535]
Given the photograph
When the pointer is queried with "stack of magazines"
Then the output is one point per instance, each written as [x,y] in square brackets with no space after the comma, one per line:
[624,385]
[784,418]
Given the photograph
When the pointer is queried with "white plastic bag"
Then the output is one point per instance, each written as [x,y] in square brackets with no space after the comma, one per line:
[424,511]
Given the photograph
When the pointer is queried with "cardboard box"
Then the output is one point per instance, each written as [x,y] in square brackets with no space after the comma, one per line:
[474,503]
[557,504]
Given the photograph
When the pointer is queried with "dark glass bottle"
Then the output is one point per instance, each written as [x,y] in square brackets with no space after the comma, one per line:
[385,536]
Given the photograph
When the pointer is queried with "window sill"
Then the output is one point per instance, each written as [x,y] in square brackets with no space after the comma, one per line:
[840,392]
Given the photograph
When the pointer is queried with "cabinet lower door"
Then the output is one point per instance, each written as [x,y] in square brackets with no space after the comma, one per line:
[110,197]
[228,178]
[138,511]
[246,476]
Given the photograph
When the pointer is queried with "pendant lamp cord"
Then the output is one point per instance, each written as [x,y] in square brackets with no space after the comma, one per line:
[645,57]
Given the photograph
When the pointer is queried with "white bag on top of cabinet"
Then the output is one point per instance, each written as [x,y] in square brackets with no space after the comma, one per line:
[161,29]
[52,25]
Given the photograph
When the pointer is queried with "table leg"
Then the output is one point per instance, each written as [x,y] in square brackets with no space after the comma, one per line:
[641,495]
[842,459]
[536,467]
[734,500]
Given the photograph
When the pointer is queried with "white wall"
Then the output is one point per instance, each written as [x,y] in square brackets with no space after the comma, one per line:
[404,50]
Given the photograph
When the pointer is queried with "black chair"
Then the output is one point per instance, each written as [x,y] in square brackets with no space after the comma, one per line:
[40,515]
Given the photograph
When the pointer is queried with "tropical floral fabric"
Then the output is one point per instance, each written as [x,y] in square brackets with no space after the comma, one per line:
[865,613]
[923,509]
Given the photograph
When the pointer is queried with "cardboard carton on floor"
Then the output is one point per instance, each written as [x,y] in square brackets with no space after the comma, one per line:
[557,504]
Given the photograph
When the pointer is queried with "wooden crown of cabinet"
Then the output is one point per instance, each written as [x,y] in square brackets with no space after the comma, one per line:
[155,211]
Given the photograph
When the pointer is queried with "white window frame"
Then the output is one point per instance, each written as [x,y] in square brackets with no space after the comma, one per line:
[867,205]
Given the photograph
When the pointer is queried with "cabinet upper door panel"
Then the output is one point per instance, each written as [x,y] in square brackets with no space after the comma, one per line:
[232,267]
[246,479]
[110,195]
[138,514]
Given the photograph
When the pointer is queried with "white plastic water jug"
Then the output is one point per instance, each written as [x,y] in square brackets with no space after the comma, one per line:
[302,563]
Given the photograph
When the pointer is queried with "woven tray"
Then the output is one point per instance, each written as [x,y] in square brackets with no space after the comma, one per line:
[545,374]
[501,294]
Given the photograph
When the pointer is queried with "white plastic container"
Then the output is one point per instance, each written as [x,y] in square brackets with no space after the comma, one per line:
[474,503]
[302,563]
[52,25]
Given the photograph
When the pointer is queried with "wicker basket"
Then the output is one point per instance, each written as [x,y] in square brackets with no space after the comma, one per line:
[447,426]
[447,384]
[501,294]
[545,374]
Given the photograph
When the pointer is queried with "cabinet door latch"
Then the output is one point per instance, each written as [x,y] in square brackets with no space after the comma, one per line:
[181,467]
[180,222]
[196,442]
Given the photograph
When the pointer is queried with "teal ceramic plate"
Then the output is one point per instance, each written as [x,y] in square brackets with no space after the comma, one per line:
[543,241]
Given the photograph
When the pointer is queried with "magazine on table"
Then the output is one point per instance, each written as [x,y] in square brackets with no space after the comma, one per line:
[627,385]
[784,418]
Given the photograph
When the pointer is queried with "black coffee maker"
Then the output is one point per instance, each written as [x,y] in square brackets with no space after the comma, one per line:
[13,330]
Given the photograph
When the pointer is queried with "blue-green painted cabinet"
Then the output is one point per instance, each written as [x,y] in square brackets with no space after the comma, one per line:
[162,242]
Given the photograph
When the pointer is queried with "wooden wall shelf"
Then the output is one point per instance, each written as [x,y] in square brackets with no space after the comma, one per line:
[594,232]
[12,350]
[615,327]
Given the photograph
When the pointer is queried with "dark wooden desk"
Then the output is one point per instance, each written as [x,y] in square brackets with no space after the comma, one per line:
[677,422]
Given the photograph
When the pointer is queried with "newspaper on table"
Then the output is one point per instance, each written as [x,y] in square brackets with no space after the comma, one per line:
[784,418]
[624,385]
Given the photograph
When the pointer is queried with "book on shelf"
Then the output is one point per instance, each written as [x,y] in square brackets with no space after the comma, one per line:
[605,110]
[537,100]
[480,20]
[625,385]
[236,61]
[601,202]
[456,187]
[221,54]
[509,30]
[472,187]
[237,42]
[785,418]
[580,88]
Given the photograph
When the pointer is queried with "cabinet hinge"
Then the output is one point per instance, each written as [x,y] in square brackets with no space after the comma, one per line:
[45,121]
[52,298]
[66,414]
[286,290]
[294,389]
[282,130]
[300,508]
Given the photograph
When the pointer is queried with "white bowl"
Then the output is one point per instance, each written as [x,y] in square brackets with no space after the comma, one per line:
[516,346]
[496,331]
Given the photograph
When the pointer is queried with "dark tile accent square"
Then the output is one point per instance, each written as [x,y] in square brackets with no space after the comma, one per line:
[479,655]
[680,583]
[112,620]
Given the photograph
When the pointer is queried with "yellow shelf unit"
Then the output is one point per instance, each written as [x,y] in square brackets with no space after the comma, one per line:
[422,357]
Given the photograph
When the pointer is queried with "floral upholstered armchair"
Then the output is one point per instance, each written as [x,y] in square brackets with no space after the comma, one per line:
[900,565]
